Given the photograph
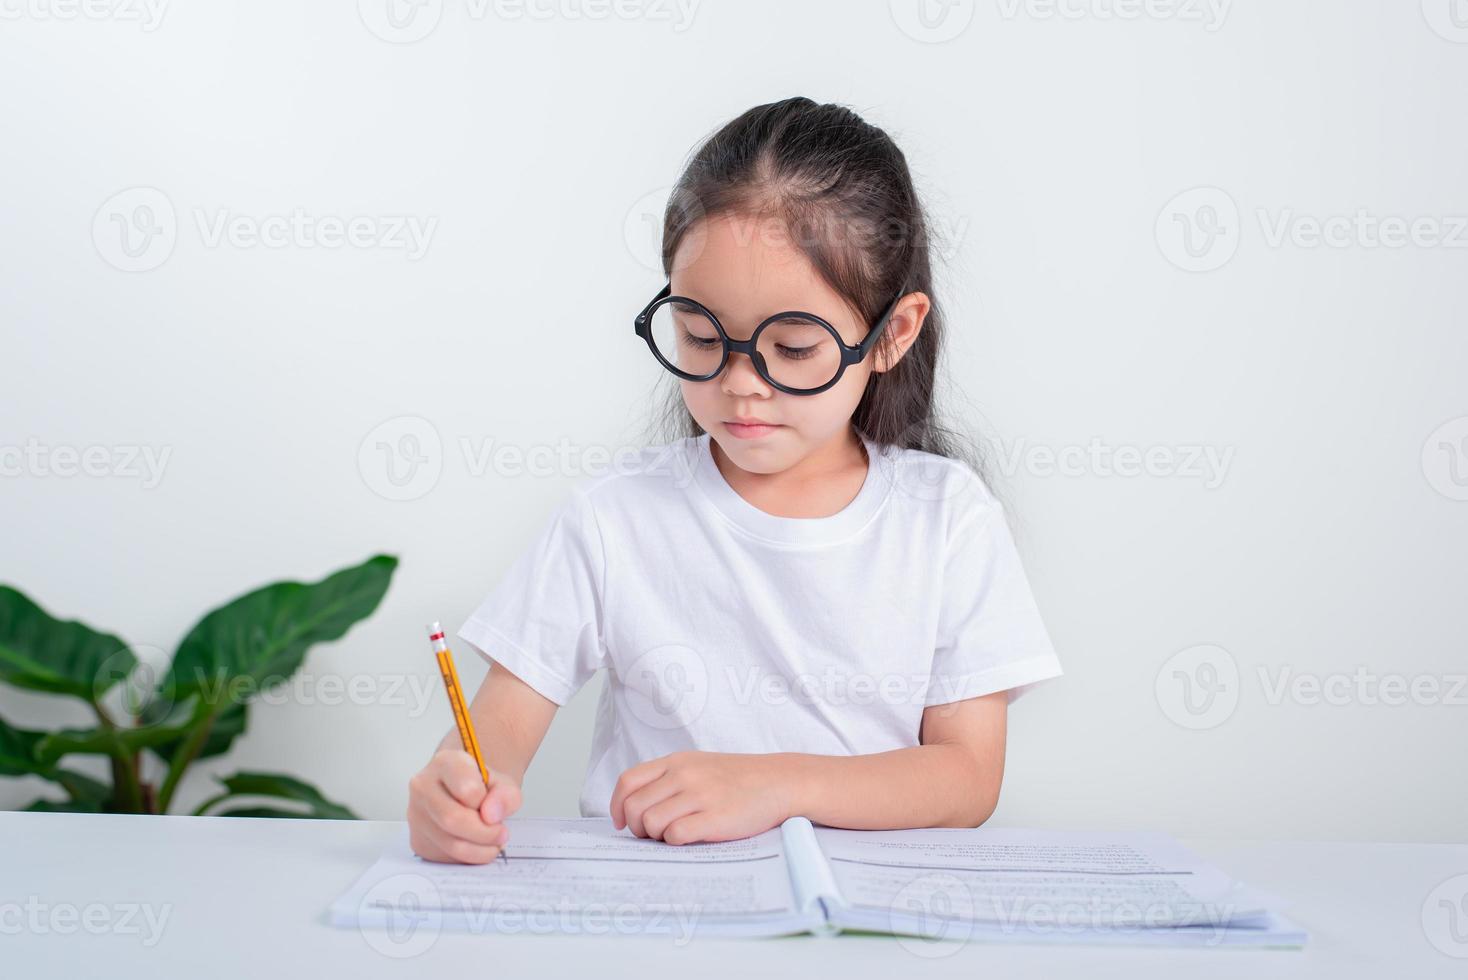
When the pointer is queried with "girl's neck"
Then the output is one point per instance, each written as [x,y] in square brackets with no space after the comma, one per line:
[820,485]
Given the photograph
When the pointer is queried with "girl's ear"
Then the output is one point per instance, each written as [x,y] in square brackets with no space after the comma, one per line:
[902,331]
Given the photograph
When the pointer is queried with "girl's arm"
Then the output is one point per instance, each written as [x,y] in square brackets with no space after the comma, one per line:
[950,780]
[452,815]
[510,719]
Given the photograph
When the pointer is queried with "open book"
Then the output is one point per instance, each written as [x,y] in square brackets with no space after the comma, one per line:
[581,876]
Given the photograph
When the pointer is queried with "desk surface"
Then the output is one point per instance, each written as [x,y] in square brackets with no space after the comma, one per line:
[246,898]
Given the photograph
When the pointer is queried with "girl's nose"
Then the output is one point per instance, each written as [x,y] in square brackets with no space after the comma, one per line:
[740,377]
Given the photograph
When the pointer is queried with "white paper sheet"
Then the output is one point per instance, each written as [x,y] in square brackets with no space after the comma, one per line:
[1036,882]
[579,875]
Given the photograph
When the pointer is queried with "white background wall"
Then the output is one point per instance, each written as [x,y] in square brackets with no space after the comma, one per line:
[1050,144]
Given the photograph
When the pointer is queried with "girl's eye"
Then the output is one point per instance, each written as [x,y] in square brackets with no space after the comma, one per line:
[795,353]
[699,343]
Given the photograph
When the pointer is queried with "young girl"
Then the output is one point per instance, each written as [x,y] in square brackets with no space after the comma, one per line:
[807,605]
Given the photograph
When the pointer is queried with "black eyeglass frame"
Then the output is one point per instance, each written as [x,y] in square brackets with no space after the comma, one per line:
[850,353]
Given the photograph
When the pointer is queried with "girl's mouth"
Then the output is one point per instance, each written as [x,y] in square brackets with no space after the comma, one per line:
[744,430]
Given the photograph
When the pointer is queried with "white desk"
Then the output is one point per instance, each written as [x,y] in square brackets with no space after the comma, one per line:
[246,897]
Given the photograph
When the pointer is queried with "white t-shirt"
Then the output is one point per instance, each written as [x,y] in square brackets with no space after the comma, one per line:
[727,629]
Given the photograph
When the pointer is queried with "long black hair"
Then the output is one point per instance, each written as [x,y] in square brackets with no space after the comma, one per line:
[843,191]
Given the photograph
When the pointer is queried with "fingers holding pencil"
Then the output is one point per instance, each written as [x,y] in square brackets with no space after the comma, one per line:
[447,802]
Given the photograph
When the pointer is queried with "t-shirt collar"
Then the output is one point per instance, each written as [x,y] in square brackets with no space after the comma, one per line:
[794,530]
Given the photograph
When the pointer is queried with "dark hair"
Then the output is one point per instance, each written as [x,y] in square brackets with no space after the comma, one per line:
[842,189]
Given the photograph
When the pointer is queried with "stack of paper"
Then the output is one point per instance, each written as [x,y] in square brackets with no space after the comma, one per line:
[982,885]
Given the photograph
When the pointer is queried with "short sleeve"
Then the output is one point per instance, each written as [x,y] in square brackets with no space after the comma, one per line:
[990,635]
[543,621]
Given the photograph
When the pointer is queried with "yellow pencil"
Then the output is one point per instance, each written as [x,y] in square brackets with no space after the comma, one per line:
[458,704]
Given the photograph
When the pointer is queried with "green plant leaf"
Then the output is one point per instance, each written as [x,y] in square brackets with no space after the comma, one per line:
[261,638]
[18,751]
[277,786]
[42,653]
[84,790]
[103,741]
[228,725]
[266,811]
[19,756]
[62,806]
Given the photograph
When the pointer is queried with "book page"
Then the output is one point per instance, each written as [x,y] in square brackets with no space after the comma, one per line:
[581,875]
[1029,880]
[810,873]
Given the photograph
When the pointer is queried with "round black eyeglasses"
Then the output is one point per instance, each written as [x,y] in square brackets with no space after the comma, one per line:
[797,353]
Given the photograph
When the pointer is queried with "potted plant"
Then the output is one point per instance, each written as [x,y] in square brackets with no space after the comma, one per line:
[192,709]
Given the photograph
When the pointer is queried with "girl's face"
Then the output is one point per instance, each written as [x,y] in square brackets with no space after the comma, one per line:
[743,270]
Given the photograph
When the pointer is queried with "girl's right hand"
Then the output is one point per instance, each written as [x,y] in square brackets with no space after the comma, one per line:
[452,816]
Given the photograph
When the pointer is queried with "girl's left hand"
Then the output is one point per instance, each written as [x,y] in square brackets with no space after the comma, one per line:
[702,796]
